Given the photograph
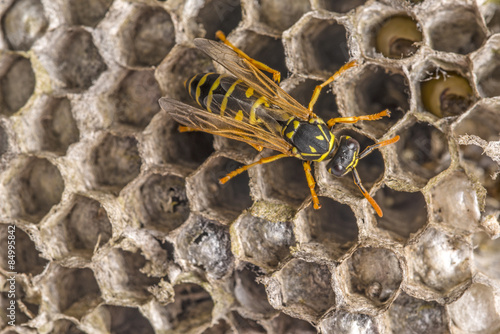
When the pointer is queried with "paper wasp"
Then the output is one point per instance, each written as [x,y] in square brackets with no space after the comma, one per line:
[252,108]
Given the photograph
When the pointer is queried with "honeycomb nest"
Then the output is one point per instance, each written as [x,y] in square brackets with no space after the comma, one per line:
[122,227]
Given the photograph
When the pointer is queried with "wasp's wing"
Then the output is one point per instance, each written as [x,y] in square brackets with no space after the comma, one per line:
[252,76]
[224,126]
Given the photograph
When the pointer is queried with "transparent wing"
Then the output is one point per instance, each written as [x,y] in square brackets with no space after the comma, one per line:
[224,126]
[252,76]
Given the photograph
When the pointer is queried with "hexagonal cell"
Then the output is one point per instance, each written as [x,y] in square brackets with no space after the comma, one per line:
[58,126]
[115,162]
[487,255]
[78,232]
[117,319]
[343,322]
[326,105]
[404,212]
[423,151]
[160,202]
[272,13]
[73,292]
[411,315]
[286,324]
[250,294]
[86,14]
[164,144]
[285,181]
[17,83]
[398,36]
[454,202]
[455,29]
[23,23]
[224,201]
[438,263]
[476,311]
[487,68]
[445,93]
[375,274]
[28,258]
[35,186]
[316,46]
[204,244]
[223,15]
[302,288]
[491,14]
[378,88]
[71,58]
[136,98]
[340,6]
[121,276]
[190,312]
[334,226]
[260,241]
[137,35]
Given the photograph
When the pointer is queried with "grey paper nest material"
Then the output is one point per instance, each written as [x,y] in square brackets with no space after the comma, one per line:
[122,226]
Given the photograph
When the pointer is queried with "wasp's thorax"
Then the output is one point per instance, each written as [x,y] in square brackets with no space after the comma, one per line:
[345,158]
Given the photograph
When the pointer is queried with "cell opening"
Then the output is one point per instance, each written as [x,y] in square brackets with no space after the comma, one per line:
[262,242]
[250,294]
[272,13]
[374,274]
[38,187]
[398,37]
[487,254]
[115,162]
[447,24]
[151,37]
[136,99]
[224,15]
[88,13]
[164,205]
[59,126]
[423,150]
[341,6]
[487,68]
[378,89]
[445,93]
[126,320]
[404,212]
[23,23]
[333,225]
[227,199]
[325,45]
[17,83]
[65,326]
[31,263]
[206,245]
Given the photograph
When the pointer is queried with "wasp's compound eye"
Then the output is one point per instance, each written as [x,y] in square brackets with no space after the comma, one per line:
[335,168]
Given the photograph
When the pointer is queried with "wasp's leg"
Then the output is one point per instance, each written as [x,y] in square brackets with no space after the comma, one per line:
[318,88]
[244,168]
[261,66]
[365,193]
[354,119]
[370,149]
[311,183]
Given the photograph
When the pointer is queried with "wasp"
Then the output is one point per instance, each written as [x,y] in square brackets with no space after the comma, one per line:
[249,106]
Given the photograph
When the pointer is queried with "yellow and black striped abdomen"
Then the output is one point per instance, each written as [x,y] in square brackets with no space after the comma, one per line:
[231,97]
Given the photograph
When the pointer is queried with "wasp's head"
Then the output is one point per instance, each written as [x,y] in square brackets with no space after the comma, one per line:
[345,158]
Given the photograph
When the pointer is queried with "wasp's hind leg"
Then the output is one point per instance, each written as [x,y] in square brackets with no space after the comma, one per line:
[240,170]
[261,66]
[318,88]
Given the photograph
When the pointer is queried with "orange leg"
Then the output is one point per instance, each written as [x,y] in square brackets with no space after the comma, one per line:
[365,193]
[244,168]
[337,74]
[311,183]
[261,66]
[369,149]
[354,119]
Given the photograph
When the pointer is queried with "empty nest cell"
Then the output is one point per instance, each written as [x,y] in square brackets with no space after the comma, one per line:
[118,319]
[17,83]
[250,294]
[272,13]
[221,15]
